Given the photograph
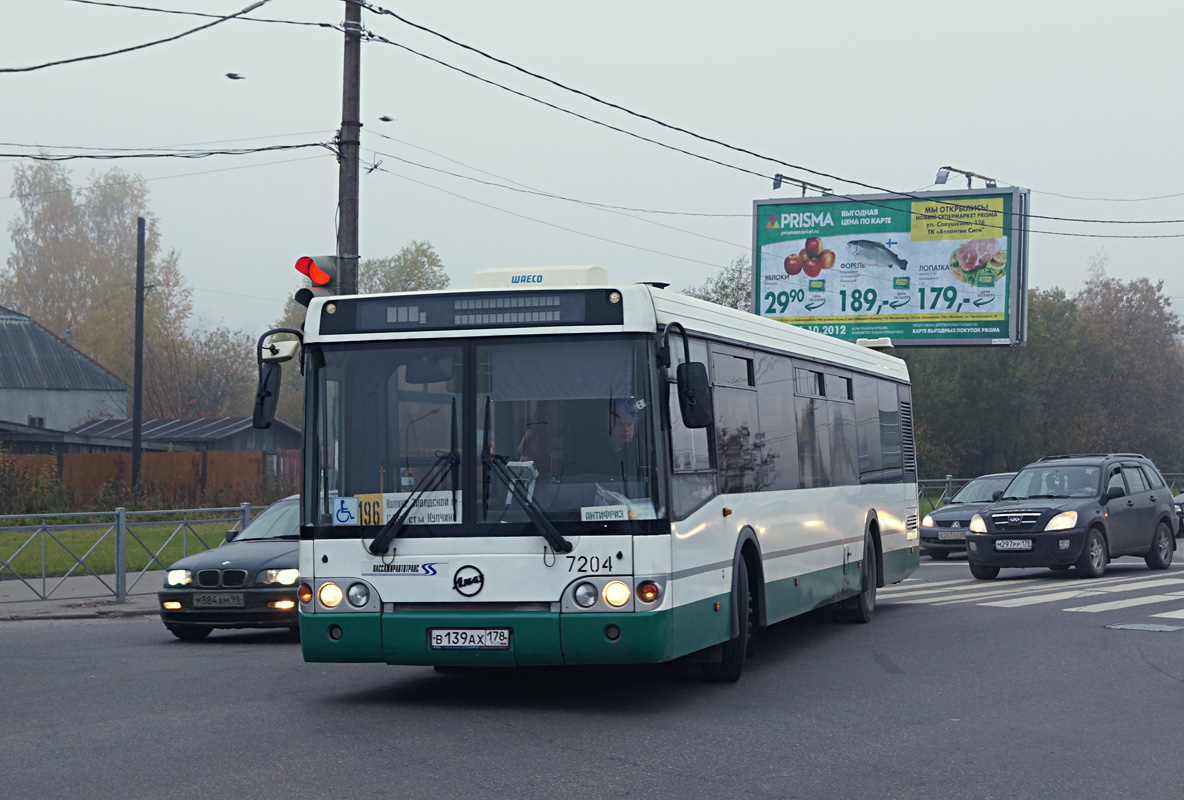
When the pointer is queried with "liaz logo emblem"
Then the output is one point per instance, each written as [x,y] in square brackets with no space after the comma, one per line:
[468,581]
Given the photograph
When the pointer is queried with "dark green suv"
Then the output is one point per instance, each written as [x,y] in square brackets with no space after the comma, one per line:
[1076,511]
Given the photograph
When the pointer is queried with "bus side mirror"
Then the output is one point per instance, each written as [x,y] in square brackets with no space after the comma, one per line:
[694,395]
[267,394]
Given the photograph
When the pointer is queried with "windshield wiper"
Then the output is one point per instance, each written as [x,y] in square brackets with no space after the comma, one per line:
[446,463]
[536,513]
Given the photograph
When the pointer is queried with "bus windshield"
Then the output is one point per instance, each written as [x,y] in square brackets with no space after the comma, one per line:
[569,419]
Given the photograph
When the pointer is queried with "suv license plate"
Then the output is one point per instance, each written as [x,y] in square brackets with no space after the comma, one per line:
[218,600]
[945,535]
[469,638]
[1013,544]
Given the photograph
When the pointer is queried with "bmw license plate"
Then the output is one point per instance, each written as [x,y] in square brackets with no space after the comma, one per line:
[469,638]
[945,535]
[1013,544]
[218,600]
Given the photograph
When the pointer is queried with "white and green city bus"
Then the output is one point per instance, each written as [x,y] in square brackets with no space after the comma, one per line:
[534,474]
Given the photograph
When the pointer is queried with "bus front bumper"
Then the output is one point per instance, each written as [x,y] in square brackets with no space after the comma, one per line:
[535,638]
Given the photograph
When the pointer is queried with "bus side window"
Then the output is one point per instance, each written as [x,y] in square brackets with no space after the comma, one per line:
[693,479]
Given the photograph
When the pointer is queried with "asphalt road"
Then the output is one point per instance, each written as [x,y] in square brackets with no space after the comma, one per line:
[958,689]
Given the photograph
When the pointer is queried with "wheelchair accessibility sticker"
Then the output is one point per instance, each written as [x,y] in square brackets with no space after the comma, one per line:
[345,510]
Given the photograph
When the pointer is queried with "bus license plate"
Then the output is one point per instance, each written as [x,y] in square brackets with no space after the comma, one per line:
[944,535]
[1013,544]
[218,600]
[469,638]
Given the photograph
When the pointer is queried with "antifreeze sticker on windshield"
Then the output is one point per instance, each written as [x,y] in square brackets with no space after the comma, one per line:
[633,509]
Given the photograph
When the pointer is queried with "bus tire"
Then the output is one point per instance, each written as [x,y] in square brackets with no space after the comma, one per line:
[861,608]
[728,669]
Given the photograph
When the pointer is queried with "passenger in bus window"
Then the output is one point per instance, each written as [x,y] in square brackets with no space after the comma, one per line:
[536,446]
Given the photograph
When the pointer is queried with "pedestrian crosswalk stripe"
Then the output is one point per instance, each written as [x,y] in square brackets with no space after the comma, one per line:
[1021,592]
[1129,602]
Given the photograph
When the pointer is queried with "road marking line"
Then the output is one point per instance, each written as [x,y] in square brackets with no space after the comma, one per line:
[1114,605]
[1037,599]
[1171,614]
[1145,584]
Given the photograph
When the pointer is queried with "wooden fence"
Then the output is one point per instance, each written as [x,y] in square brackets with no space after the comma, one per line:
[193,478]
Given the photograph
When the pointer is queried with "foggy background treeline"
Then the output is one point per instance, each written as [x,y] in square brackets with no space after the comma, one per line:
[1103,369]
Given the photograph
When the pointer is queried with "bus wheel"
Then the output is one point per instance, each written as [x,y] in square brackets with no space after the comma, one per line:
[861,608]
[734,650]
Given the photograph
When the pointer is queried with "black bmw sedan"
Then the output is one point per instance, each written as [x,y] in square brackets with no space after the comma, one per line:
[250,582]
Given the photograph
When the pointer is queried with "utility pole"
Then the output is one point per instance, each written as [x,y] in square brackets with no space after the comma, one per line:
[138,379]
[348,143]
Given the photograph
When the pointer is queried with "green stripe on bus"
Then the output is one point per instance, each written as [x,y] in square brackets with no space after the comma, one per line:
[899,564]
[358,637]
[792,596]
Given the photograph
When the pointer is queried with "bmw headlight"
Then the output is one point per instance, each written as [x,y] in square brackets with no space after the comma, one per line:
[927,522]
[977,524]
[1064,521]
[284,577]
[178,577]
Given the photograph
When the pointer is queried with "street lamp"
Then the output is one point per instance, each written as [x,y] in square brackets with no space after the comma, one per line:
[779,178]
[943,175]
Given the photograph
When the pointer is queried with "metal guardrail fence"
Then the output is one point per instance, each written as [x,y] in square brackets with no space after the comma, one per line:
[934,493]
[49,530]
[125,527]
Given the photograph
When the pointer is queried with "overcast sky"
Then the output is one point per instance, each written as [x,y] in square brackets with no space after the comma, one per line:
[1080,99]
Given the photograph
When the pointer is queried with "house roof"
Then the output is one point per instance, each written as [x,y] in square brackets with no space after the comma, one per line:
[33,358]
[171,430]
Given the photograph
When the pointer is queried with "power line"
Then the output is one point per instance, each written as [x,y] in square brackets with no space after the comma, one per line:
[122,50]
[201,14]
[104,156]
[860,200]
[158,178]
[544,222]
[708,139]
[596,206]
[545,194]
[383,40]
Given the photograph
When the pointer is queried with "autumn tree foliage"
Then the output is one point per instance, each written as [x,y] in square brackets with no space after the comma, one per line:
[731,286]
[1103,371]
[73,270]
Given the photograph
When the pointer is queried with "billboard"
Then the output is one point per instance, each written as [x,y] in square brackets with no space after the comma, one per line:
[931,268]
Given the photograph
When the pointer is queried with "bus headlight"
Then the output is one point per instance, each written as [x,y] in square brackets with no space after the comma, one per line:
[616,593]
[304,593]
[585,595]
[330,595]
[358,595]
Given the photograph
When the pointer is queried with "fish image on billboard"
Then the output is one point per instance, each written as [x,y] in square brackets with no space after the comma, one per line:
[875,254]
